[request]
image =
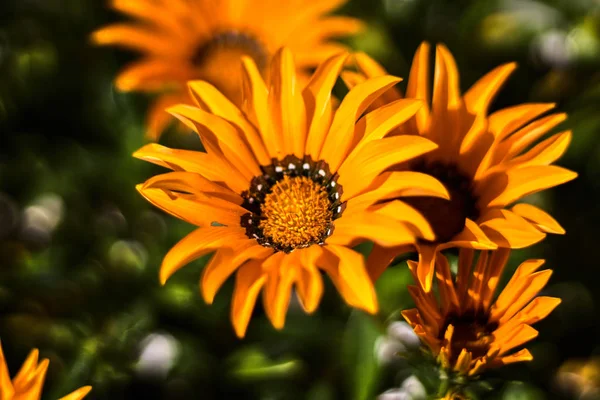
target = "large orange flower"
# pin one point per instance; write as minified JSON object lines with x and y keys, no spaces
{"x":184,"y":40}
{"x":29,"y":382}
{"x":465,"y":329}
{"x":487,"y":163}
{"x":288,"y":186}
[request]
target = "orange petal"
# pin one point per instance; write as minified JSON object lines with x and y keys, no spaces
{"x":209,"y":97}
{"x":225,"y":262}
{"x":150,"y":12}
{"x":379,"y":122}
{"x":347,"y":270}
{"x":539,"y":218}
{"x":286,"y":105}
{"x":504,"y":122}
{"x":509,"y":230}
{"x":355,"y":103}
{"x":521,"y":355}
{"x":497,"y":263}
{"x":152,"y":74}
{"x":198,"y":243}
{"x":197,"y":210}
{"x":517,"y":183}
{"x":392,"y":185}
{"x":32,"y":389}
{"x":6,"y":388}
{"x":249,"y":280}
{"x":78,"y":394}
{"x":317,"y":98}
{"x":447,"y":100}
{"x":546,"y":152}
{"x":448,"y":294}
{"x":376,"y":156}
{"x":521,"y":335}
{"x":310,"y":283}
{"x":137,"y":38}
{"x":277,"y":293}
{"x":471,"y":237}
{"x":369,"y":68}
{"x":373,"y":226}
{"x":480,"y":95}
{"x":220,"y":138}
{"x":418,"y":85}
{"x":185,"y":160}
{"x":538,"y":309}
{"x":526,"y":136}
{"x":400,"y":211}
{"x":255,"y":106}
{"x":191,"y":183}
{"x":520,"y":282}
{"x":426,"y":267}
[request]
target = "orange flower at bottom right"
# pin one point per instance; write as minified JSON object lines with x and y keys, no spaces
{"x":464,"y":328}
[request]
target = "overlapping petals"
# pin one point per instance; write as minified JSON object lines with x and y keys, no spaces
{"x":204,"y":39}
{"x":28,"y":383}
{"x":500,"y":155}
{"x":466,"y":329}
{"x":275,"y":121}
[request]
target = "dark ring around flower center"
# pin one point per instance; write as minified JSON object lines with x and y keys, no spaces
{"x":293,"y":167}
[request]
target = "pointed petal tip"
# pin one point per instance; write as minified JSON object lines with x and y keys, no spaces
{"x":207,"y":296}
{"x":163,"y":275}
{"x":240,"y":329}
{"x":139,"y":187}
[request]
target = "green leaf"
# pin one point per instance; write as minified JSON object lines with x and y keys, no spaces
{"x":391,"y":289}
{"x":252,"y":364}
{"x":362,"y":370}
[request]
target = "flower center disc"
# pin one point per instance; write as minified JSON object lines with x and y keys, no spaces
{"x":447,"y":217}
{"x":471,"y":332}
{"x":218,"y":60}
{"x":296,"y":213}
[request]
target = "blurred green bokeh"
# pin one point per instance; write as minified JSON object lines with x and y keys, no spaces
{"x":80,"y":249}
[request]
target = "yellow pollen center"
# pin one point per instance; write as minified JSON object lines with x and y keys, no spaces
{"x":296,"y":213}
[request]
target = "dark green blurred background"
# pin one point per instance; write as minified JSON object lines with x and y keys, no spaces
{"x":80,"y":249}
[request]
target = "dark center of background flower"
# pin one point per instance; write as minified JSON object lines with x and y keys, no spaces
{"x":292,"y":205}
{"x":472,"y":332}
{"x":234,"y":42}
{"x":447,"y":217}
{"x":218,"y":61}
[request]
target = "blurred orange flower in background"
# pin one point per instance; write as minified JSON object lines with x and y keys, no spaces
{"x":204,"y":39}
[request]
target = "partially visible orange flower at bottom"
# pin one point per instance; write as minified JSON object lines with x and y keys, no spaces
{"x":29,"y":381}
{"x":463,"y":327}
{"x":453,"y":395}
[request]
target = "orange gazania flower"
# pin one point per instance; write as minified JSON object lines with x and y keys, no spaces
{"x":465,"y":329}
{"x":184,"y":40}
{"x":486,"y":162}
{"x":285,"y":188}
{"x":29,"y":382}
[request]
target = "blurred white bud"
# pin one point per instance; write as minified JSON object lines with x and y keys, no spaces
{"x":402,"y":332}
{"x":45,"y":213}
{"x":413,"y":386}
{"x":158,"y":355}
{"x":128,"y":253}
{"x":554,"y":48}
{"x":387,"y":350}
{"x":41,"y":218}
{"x":394,"y":394}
